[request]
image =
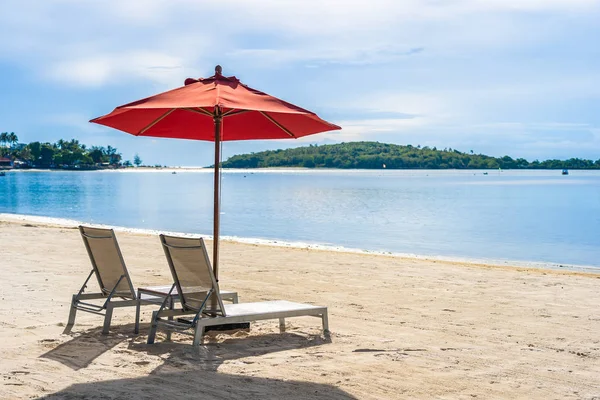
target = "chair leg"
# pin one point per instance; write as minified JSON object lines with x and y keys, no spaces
{"x":107,"y":318}
{"x":325,"y":323}
{"x":170,"y":318}
{"x":198,"y":335}
{"x":136,"y":330}
{"x":73,"y":312}
{"x":281,"y":325}
{"x":235,"y":298}
{"x":153,"y":327}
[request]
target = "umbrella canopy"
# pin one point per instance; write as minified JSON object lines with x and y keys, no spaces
{"x":215,"y":109}
{"x":188,"y":112}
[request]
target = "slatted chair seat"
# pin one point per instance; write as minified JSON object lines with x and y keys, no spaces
{"x":116,"y":289}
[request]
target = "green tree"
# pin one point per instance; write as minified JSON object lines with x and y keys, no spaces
{"x":137,"y":160}
{"x":97,"y":154}
{"x":26,"y":154}
{"x":3,"y":143}
{"x":374,"y":155}
{"x":47,"y":155}
{"x":36,"y":150}
{"x":12,"y":139}
{"x":114,"y":158}
{"x":308,"y":163}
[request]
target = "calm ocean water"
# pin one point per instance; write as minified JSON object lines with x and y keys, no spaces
{"x":537,"y":216}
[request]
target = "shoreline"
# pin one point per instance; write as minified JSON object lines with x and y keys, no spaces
{"x":295,"y":169}
{"x":471,"y":262}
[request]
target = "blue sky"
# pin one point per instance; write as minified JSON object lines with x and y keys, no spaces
{"x":517,"y":77}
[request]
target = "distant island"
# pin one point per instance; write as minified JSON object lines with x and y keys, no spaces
{"x":64,"y":154}
{"x":375,"y":155}
{"x":72,"y":155}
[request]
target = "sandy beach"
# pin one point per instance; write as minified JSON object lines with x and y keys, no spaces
{"x":401,"y":328}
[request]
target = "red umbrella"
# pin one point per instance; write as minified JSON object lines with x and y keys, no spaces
{"x":215,"y":109}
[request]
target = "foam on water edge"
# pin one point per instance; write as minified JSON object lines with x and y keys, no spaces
{"x":63,"y":222}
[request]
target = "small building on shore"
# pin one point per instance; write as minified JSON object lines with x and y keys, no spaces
{"x":5,"y":163}
{"x":20,"y":164}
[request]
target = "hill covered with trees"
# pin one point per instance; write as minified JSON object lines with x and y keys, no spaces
{"x":375,"y":155}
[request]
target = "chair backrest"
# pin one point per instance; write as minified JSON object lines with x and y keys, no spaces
{"x":107,"y":261}
{"x":193,"y":274}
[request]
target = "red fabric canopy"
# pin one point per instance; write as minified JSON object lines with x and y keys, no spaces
{"x":188,"y":113}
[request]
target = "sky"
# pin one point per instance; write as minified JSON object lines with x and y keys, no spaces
{"x":516,"y":77}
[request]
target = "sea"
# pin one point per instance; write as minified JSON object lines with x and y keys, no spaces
{"x":516,"y":217}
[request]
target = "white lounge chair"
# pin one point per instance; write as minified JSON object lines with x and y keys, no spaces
{"x":200,"y":299}
{"x":116,"y":289}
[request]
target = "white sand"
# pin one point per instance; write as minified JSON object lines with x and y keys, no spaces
{"x":402,"y":328}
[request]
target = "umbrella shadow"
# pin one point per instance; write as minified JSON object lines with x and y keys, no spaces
{"x":190,"y":372}
{"x":210,"y":356}
{"x":200,"y":385}
{"x":86,"y":346}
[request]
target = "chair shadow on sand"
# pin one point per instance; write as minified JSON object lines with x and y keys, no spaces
{"x":189,"y":372}
{"x":88,"y":345}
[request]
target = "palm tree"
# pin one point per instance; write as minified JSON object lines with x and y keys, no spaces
{"x":3,"y":141}
{"x":72,"y":145}
{"x":113,"y":156}
{"x":12,"y":139}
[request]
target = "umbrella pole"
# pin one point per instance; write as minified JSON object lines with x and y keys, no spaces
{"x":217,"y":120}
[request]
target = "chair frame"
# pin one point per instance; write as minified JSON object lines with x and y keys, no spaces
{"x":178,"y":325}
{"x":109,"y":304}
{"x":202,"y":319}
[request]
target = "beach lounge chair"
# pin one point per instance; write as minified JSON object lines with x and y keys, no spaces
{"x":201,"y":301}
{"x":116,"y":289}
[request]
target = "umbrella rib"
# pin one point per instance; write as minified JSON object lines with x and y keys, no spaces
{"x":233,"y":112}
{"x":199,"y":110}
{"x":156,"y":121}
{"x":277,"y":124}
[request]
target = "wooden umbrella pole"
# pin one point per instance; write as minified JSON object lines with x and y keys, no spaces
{"x":217,"y":120}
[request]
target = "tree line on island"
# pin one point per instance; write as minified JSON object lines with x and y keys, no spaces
{"x":360,"y":155}
{"x":63,"y":154}
{"x":375,"y":155}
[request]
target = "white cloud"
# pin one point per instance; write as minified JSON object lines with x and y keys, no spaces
{"x":554,"y":126}
{"x":444,"y":71}
{"x":534,"y":5}
{"x":79,"y":121}
{"x":113,"y":68}
{"x":327,"y":53}
{"x":301,"y":31}
{"x":410,"y":104}
{"x":368,"y":129}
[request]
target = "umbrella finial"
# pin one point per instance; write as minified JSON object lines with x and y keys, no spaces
{"x":218,"y":70}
